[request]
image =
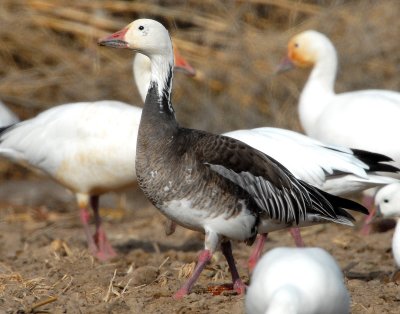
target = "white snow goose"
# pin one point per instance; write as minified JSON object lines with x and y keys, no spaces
{"x":342,"y":119}
{"x":87,"y":147}
{"x":212,"y":183}
{"x":387,"y":201}
{"x":297,"y":280}
{"x":365,"y":119}
{"x":7,"y":117}
{"x":335,"y":169}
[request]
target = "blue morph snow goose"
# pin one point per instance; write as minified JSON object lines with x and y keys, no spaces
{"x":87,"y":147}
{"x":212,"y":183}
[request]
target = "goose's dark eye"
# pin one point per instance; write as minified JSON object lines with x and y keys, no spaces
{"x":296,"y":45}
{"x":141,"y":27}
{"x":386,"y":200}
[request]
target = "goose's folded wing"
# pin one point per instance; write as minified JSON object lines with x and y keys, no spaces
{"x":274,"y":189}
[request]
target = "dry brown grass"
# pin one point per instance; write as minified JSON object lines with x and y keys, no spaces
{"x":49,"y":55}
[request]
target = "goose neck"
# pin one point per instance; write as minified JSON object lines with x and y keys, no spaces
{"x":158,"y":113}
{"x":319,"y":90}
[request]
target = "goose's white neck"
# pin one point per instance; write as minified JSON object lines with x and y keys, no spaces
{"x":162,"y":73}
{"x":396,"y":243}
{"x":142,"y":74}
{"x":157,"y":106}
{"x":319,"y":89}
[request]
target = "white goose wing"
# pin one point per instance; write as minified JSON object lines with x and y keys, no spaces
{"x":335,"y":169}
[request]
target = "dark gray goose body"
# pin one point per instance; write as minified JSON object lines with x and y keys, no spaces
{"x":211,"y":183}
{"x":200,"y":180}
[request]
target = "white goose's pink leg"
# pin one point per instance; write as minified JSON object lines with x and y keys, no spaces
{"x":260,"y":242}
{"x":85,"y":216}
{"x":295,"y":232}
{"x":104,"y":248}
{"x":368,"y":202}
{"x":255,"y":255}
{"x":366,"y":228}
{"x":238,"y":284}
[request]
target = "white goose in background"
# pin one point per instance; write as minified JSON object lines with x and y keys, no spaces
{"x":7,"y":117}
{"x":88,"y":147}
{"x":366,"y":119}
{"x":297,"y":281}
{"x":211,"y":183}
{"x":334,"y":169}
{"x":387,"y":201}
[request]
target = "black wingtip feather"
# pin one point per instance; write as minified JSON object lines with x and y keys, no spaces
{"x":374,"y":160}
{"x":365,"y":155}
{"x":3,"y":129}
{"x":338,"y":201}
{"x":384,"y":168}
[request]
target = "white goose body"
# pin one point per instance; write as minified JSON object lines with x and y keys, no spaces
{"x":87,"y":147}
{"x":334,"y":169}
{"x":7,"y":117}
{"x":387,"y":201}
{"x":297,"y":281}
{"x":366,"y":119}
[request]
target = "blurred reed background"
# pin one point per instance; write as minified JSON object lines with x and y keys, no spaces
{"x":49,"y":55}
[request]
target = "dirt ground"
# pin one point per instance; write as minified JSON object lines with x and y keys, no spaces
{"x":45,"y":267}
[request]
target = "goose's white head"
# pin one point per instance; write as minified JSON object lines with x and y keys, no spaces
{"x":152,"y":39}
{"x":387,"y":200}
{"x":145,"y":36}
{"x":306,"y":49}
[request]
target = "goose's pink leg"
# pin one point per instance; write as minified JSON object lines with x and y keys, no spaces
{"x":238,"y":284}
{"x":366,"y":228}
{"x":368,"y":202}
{"x":85,"y":216}
{"x":260,"y":242}
{"x":295,"y":232}
{"x":204,"y":258}
{"x":255,"y":255}
{"x":104,"y":248}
